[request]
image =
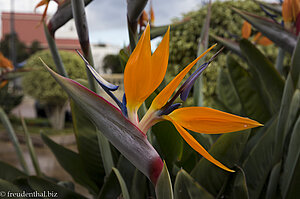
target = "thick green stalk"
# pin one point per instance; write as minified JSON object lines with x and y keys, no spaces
{"x":14,"y":139}
{"x":134,"y":11}
{"x":203,"y":44}
{"x":79,"y":15}
{"x":133,"y":35}
{"x":55,"y":55}
{"x":31,"y":149}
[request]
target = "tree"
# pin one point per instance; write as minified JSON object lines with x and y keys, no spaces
{"x":39,"y":84}
{"x":224,"y":23}
{"x":112,"y":64}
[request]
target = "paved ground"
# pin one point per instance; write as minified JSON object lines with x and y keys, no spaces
{"x":46,"y":159}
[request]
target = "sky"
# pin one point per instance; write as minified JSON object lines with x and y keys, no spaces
{"x":107,"y":18}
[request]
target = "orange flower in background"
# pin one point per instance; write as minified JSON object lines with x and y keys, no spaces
{"x":290,"y":10}
{"x":258,"y":38}
{"x":5,"y":63}
{"x":46,"y":2}
{"x":291,"y":15}
{"x":5,"y":66}
{"x":152,"y":17}
{"x":246,"y":30}
{"x":143,"y":20}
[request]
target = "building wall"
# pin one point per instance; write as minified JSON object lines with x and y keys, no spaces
{"x":29,"y":29}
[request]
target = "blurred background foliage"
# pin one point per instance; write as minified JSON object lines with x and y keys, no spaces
{"x":42,"y":87}
{"x":39,"y":83}
{"x":224,"y":23}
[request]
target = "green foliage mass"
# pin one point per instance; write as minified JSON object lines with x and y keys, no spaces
{"x":111,"y":63}
{"x":39,"y":84}
{"x":224,"y":23}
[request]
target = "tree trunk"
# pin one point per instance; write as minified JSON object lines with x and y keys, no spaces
{"x":56,"y":115}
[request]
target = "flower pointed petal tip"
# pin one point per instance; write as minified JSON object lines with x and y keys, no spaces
{"x":161,"y":99}
{"x":185,"y":89}
{"x":195,"y":145}
{"x":211,"y":121}
{"x":103,"y":83}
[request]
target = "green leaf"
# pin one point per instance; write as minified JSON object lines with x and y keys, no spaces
{"x":238,"y":189}
{"x":122,"y":184}
{"x":277,"y":8}
{"x":138,"y":187}
{"x":295,"y":65}
{"x":260,"y":161}
{"x":44,"y":186}
{"x":106,"y":154}
{"x":169,"y":141}
{"x":8,"y":190}
{"x":72,"y":163}
{"x":87,"y":145}
{"x":9,"y":173}
{"x":31,"y":150}
{"x":275,"y":32}
{"x":269,"y":80}
{"x":293,"y":113}
{"x":127,"y":170}
{"x":111,"y":188}
{"x":229,"y":44}
{"x":287,"y":96}
{"x":14,"y":139}
{"x":186,"y":187}
{"x":291,"y":171}
{"x":272,"y":189}
{"x":226,"y":92}
{"x":158,"y":31}
{"x":227,"y":149}
{"x":252,"y":104}
{"x":255,"y":137}
{"x":163,"y":187}
{"x":125,"y":136}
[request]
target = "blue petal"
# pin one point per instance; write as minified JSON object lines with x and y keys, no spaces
{"x":124,"y":108}
{"x":187,"y":85}
{"x":98,"y":78}
{"x":170,"y":109}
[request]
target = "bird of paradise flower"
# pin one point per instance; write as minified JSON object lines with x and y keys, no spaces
{"x":143,"y":74}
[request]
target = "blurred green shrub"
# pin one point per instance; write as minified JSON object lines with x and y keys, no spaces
{"x":112,"y":64}
{"x":43,"y":88}
{"x":9,"y":99}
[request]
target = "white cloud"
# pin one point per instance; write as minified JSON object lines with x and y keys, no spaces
{"x":108,"y":17}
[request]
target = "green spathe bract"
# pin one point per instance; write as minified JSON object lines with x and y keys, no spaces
{"x":125,"y":136}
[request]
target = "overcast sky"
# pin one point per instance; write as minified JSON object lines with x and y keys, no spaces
{"x":107,"y":18}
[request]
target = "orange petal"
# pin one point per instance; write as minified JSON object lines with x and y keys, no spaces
{"x":3,"y":83}
{"x":257,"y":37}
{"x":295,"y":9}
{"x":5,"y":63}
{"x":264,"y":41}
{"x":41,"y":3}
{"x":137,"y":73}
{"x":246,"y":30}
{"x":161,"y":99}
{"x":195,"y":145}
{"x":210,"y":121}
{"x":287,"y":11}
